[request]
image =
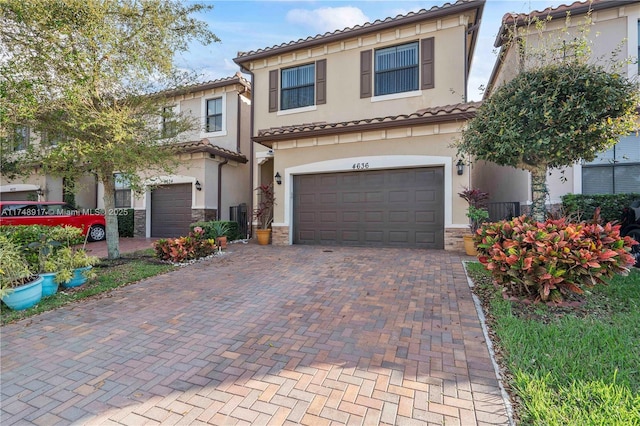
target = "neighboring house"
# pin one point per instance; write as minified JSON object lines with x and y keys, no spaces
{"x":615,"y":27}
{"x":213,"y":175}
{"x":358,"y":126}
{"x":41,"y":186}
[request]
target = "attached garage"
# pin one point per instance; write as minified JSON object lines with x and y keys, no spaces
{"x":385,"y":208}
{"x":171,"y":210}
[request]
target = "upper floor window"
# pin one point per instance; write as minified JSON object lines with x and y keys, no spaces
{"x":298,"y":87}
{"x":615,"y":171}
{"x":168,"y":124}
{"x":213,"y":121}
{"x":396,"y":69}
{"x":20,"y":138}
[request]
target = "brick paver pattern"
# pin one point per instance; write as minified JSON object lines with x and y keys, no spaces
{"x":262,"y":335}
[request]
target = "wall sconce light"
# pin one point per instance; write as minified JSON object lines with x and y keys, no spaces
{"x":278,"y":178}
{"x":39,"y":192}
{"x":198,"y":185}
{"x":460,"y":167}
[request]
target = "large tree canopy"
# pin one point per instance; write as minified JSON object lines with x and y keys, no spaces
{"x":551,"y":116}
{"x":82,"y":73}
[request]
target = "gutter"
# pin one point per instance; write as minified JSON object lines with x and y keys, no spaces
{"x":252,"y":154}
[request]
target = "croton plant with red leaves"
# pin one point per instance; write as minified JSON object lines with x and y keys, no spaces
{"x":546,"y":261}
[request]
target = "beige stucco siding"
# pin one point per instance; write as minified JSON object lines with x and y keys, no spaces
{"x":419,"y":146}
{"x":343,"y":77}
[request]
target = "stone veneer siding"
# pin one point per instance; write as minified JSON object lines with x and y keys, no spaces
{"x":140,"y":223}
{"x":203,"y":215}
{"x":280,"y":235}
{"x":453,"y":239}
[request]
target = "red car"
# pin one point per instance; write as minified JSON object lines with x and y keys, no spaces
{"x":52,"y":213}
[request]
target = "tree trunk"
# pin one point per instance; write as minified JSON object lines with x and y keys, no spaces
{"x":111,"y":218}
{"x":539,"y":193}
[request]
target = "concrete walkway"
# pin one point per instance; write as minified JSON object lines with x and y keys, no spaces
{"x":265,"y":336}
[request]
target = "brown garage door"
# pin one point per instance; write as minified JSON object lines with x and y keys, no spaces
{"x":19,"y":196}
{"x":171,"y":210}
{"x":390,"y":208}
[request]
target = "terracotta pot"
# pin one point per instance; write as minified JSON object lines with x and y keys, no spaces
{"x":264,"y":235}
{"x":469,"y":245}
{"x":222,"y":242}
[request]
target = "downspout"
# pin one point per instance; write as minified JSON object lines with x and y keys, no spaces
{"x":252,"y":155}
{"x":219,"y":213}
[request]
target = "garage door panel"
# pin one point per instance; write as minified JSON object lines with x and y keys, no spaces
{"x":328,"y":198}
{"x":405,"y":208}
{"x":308,"y":198}
{"x":171,"y":210}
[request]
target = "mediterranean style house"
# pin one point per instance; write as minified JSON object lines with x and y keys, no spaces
{"x":613,"y":34}
{"x":355,"y":128}
{"x":213,"y":175}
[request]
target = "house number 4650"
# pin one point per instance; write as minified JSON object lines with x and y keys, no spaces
{"x":360,"y":166}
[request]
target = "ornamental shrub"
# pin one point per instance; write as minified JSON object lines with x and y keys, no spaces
{"x":182,"y":249}
{"x":548,"y":260}
{"x":233,"y":232}
{"x":585,"y":205}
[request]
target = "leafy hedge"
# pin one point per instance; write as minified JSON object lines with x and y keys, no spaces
{"x":125,"y":223}
{"x":23,"y":235}
{"x":549,"y":260}
{"x":232,"y":235}
{"x":584,"y":206}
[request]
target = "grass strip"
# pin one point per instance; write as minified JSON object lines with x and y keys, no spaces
{"x":576,"y":365}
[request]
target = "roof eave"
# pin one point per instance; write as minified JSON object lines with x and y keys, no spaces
{"x":334,"y":37}
{"x":415,"y":121}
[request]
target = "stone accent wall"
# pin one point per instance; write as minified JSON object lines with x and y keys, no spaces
{"x":203,"y":215}
{"x":453,"y":239}
{"x":139,"y":223}
{"x":280,"y":235}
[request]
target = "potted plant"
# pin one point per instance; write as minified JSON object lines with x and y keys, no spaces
{"x":477,"y":214}
{"x":264,"y":212}
{"x":77,"y":261}
{"x":20,"y":288}
{"x":220,"y":230}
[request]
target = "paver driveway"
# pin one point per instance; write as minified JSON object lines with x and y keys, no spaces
{"x":263,"y":335}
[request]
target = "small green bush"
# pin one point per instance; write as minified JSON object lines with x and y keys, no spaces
{"x":23,"y":235}
{"x":125,"y":223}
{"x":232,"y":234}
{"x":548,"y":260}
{"x":584,"y":206}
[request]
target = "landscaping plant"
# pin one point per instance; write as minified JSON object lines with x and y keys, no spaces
{"x":548,"y":260}
{"x":181,"y":249}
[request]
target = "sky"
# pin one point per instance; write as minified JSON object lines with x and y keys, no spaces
{"x":250,"y":25}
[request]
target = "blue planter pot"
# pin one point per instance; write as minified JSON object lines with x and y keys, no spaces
{"x":49,"y":284}
{"x":25,"y":296}
{"x":78,"y":278}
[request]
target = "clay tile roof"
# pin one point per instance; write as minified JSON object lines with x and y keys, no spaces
{"x":575,"y":8}
{"x":237,"y":78}
{"x":368,"y":27}
{"x":445,"y":113}
{"x":205,"y":145}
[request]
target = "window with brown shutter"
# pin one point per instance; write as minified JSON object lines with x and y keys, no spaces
{"x":321,"y":82}
{"x":366,"y":74}
{"x":428,"y":74}
{"x":273,"y":91}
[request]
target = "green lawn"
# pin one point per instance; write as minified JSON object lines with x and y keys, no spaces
{"x":575,"y":365}
{"x":110,"y":274}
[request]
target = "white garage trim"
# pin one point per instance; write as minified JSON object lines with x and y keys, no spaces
{"x":372,"y":162}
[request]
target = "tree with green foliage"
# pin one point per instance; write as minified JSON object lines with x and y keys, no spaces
{"x":88,"y":77}
{"x":552,"y":115}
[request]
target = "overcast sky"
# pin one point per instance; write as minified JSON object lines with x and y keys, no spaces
{"x":249,"y":25}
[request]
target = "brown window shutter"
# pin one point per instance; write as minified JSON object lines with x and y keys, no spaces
{"x":366,"y":73}
{"x":321,"y":82}
{"x":273,"y":91}
{"x":427,"y":51}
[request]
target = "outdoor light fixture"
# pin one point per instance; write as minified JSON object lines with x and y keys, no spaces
{"x":198,"y":186}
{"x":460,"y":167}
{"x":278,"y":178}
{"x":39,"y":192}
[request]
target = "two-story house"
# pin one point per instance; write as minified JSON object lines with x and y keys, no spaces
{"x":212,"y":176}
{"x":356,"y":127}
{"x":614,"y":28}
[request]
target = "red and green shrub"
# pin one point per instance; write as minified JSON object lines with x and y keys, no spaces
{"x":548,"y":260}
{"x":182,"y":249}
